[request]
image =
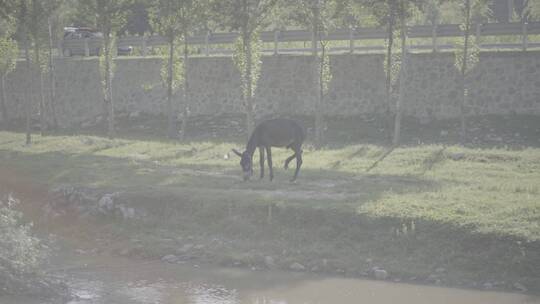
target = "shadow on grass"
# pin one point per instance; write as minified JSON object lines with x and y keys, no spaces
{"x":314,"y":222}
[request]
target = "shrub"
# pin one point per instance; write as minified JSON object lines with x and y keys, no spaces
{"x":21,"y":253}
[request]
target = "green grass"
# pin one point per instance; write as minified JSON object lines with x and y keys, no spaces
{"x":489,"y":191}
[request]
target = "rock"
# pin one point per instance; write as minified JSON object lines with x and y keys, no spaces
{"x":170,"y":258}
{"x":380,"y":274}
{"x":106,"y":203}
{"x":520,"y":287}
{"x":440,"y":270}
{"x":297,"y":267}
{"x":185,"y":248}
{"x":125,"y":212}
{"x":444,"y":133}
{"x":456,"y":156}
{"x":134,"y":114}
{"x":432,"y":278}
{"x":269,"y":262}
{"x":199,"y":247}
{"x":87,"y":141}
{"x":487,"y":285}
{"x":125,"y":252}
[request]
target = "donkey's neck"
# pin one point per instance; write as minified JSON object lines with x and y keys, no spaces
{"x":252,"y":143}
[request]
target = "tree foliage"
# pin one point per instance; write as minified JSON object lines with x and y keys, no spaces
{"x":9,"y":53}
{"x":20,"y":252}
{"x":241,"y":61}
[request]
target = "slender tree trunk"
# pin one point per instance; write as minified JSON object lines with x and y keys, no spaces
{"x":28,"y":95}
{"x":250,"y":121}
{"x":42,"y":123}
{"x":52,"y":77}
{"x":171,"y":129}
{"x":463,"y":127}
{"x":186,"y":89}
{"x":402,"y":72}
{"x":42,"y":118}
{"x":318,"y":65}
{"x":319,"y":121}
{"x":108,"y":90}
{"x":5,"y":116}
{"x":391,"y":21}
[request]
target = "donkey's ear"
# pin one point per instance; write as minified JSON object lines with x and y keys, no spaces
{"x":237,"y":153}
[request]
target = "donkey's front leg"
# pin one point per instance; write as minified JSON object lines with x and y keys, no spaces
{"x":261,"y":161}
{"x":269,"y":155}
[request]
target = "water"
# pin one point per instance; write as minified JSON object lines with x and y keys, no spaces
{"x":107,"y":280}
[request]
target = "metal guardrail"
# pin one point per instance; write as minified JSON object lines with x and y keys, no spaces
{"x":91,"y":46}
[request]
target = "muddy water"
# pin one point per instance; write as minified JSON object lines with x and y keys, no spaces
{"x":104,"y":280}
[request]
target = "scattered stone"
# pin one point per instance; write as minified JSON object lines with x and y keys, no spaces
{"x":199,"y":247}
{"x":106,"y":203}
{"x":87,"y":141}
{"x":186,"y":248}
{"x":134,"y":114}
{"x":80,"y":251}
{"x":297,"y":267}
{"x":432,"y":278}
{"x":456,"y":156}
{"x":520,"y":287}
{"x":380,"y":274}
{"x":487,"y":285}
{"x":170,"y":258}
{"x":269,"y":262}
{"x":440,"y":270}
{"x":125,"y":252}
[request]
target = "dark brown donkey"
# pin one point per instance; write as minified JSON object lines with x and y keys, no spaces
{"x":278,"y":132}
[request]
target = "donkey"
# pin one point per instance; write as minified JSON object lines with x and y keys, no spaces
{"x":279,"y":132}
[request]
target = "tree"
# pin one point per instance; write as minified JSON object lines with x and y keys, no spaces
{"x":321,"y":16}
{"x":109,"y":16}
{"x":8,"y":60}
{"x":176,"y":20}
{"x":38,"y":15}
{"x":467,"y":53}
{"x":532,"y":8}
{"x":22,"y":18}
{"x":247,"y":16}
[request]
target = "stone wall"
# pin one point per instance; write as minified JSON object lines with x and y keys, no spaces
{"x":506,"y":82}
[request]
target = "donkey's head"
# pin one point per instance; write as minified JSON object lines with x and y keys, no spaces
{"x":246,"y":163}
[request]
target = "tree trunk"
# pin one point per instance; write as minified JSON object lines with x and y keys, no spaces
{"x":250,"y":121}
{"x":52,"y":78}
{"x":391,"y":21}
{"x":318,"y":64}
{"x":463,"y":127}
{"x":186,"y":90}
{"x":37,"y":64}
{"x":402,"y":71}
{"x":171,"y":129}
{"x":5,"y":116}
{"x":28,"y":95}
{"x":42,"y":118}
{"x":108,"y":92}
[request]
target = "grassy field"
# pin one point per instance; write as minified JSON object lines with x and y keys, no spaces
{"x":473,"y":211}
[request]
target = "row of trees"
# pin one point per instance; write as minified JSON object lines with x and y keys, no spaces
{"x":34,"y":25}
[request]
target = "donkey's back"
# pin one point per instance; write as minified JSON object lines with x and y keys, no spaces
{"x":279,"y":132}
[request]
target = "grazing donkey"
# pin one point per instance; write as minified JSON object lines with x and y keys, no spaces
{"x":278,"y":132}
